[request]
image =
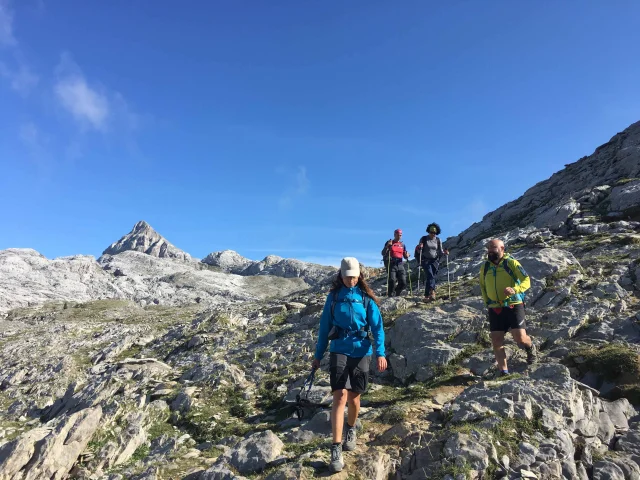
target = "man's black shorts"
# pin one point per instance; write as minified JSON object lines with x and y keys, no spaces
{"x":507,"y":319}
{"x":350,"y":373}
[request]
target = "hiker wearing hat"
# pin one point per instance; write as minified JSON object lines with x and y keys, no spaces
{"x":503,"y":282}
{"x":428,"y":252}
{"x":350,"y":313}
{"x":393,"y":254}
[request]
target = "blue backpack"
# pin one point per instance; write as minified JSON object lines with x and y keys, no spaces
{"x":338,"y":332}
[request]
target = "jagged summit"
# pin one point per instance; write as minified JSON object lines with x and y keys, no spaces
{"x":143,"y":238}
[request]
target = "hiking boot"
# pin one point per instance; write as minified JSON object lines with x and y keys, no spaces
{"x":432,"y":295}
{"x":350,"y":441}
{"x":336,"y":464}
{"x":532,"y":354}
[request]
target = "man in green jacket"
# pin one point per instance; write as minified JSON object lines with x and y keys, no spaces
{"x":503,"y":282}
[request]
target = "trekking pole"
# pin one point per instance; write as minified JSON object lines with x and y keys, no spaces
{"x":409,"y":267}
{"x":448,"y":280}
{"x":388,"y":272}
{"x":419,"y":265}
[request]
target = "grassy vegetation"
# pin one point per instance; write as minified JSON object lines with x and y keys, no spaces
{"x":280,"y":318}
{"x":389,"y":319}
{"x":624,"y":181}
{"x":450,"y":468}
{"x":141,"y":453}
{"x":131,"y":352}
{"x":393,"y":414}
{"x":298,"y":449}
{"x":610,"y":361}
{"x":217,"y":415}
{"x":159,"y":429}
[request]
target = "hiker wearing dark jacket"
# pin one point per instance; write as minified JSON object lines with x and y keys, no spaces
{"x":393,"y":254}
{"x":429,"y":251}
{"x":503,"y":282}
{"x":350,"y":313}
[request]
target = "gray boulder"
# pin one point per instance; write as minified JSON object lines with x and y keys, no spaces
{"x":254,"y":453}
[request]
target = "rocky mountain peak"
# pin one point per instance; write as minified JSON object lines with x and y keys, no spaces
{"x":143,"y":238}
{"x":228,"y":260}
{"x":581,"y":198}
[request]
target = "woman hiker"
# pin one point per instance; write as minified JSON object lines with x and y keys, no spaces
{"x":350,"y":313}
{"x":428,"y":252}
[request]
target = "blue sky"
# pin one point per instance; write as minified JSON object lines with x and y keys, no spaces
{"x":301,"y":128}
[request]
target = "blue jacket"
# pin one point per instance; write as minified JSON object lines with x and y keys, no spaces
{"x":350,"y":315}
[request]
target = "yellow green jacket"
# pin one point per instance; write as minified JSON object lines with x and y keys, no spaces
{"x":497,"y":279}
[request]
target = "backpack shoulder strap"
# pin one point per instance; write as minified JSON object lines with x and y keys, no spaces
{"x":507,"y":268}
{"x":487,"y":264}
{"x":334,"y":300}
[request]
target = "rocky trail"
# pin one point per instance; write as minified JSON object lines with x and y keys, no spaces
{"x":99,"y":381}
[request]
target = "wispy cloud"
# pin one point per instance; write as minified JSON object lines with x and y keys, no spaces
{"x":88,"y":105}
{"x":21,"y":79}
{"x":7,"y":39}
{"x":300,"y":186}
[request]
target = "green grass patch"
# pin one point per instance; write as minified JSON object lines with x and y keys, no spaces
{"x":389,"y":319}
{"x":450,"y":468}
{"x":298,"y":449}
{"x":627,"y":240}
{"x":280,"y":319}
{"x":131,"y":352}
{"x":385,"y":394}
{"x":393,"y":414}
{"x":624,"y":181}
{"x":610,"y":361}
{"x":141,"y":453}
{"x":159,"y":429}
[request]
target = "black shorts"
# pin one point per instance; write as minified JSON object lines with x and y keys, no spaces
{"x":350,"y":373}
{"x":507,"y":319}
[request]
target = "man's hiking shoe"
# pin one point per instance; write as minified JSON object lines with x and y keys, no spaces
{"x":350,"y":441}
{"x":432,"y":296}
{"x":532,"y":354}
{"x":336,"y":464}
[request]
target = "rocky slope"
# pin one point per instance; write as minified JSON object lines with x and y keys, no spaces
{"x":232,"y":262}
{"x":583,"y":197}
{"x":114,"y":389}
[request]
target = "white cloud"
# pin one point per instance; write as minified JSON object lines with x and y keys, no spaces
{"x":20,"y":77}
{"x":7,"y":39}
{"x":86,"y":104}
{"x":22,"y":80}
{"x":299,"y":187}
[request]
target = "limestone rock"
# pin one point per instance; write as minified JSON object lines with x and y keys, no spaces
{"x":255,"y":452}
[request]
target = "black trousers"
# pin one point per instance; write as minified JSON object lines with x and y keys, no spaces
{"x":397,"y":278}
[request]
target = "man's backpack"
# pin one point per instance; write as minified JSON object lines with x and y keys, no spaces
{"x":337,"y":332}
{"x":505,"y":265}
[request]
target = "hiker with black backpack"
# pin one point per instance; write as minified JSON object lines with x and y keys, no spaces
{"x":503,"y":282}
{"x":350,"y":313}
{"x":393,"y":254}
{"x":428,"y":252}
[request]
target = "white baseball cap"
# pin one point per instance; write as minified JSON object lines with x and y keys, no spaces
{"x":350,"y":267}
